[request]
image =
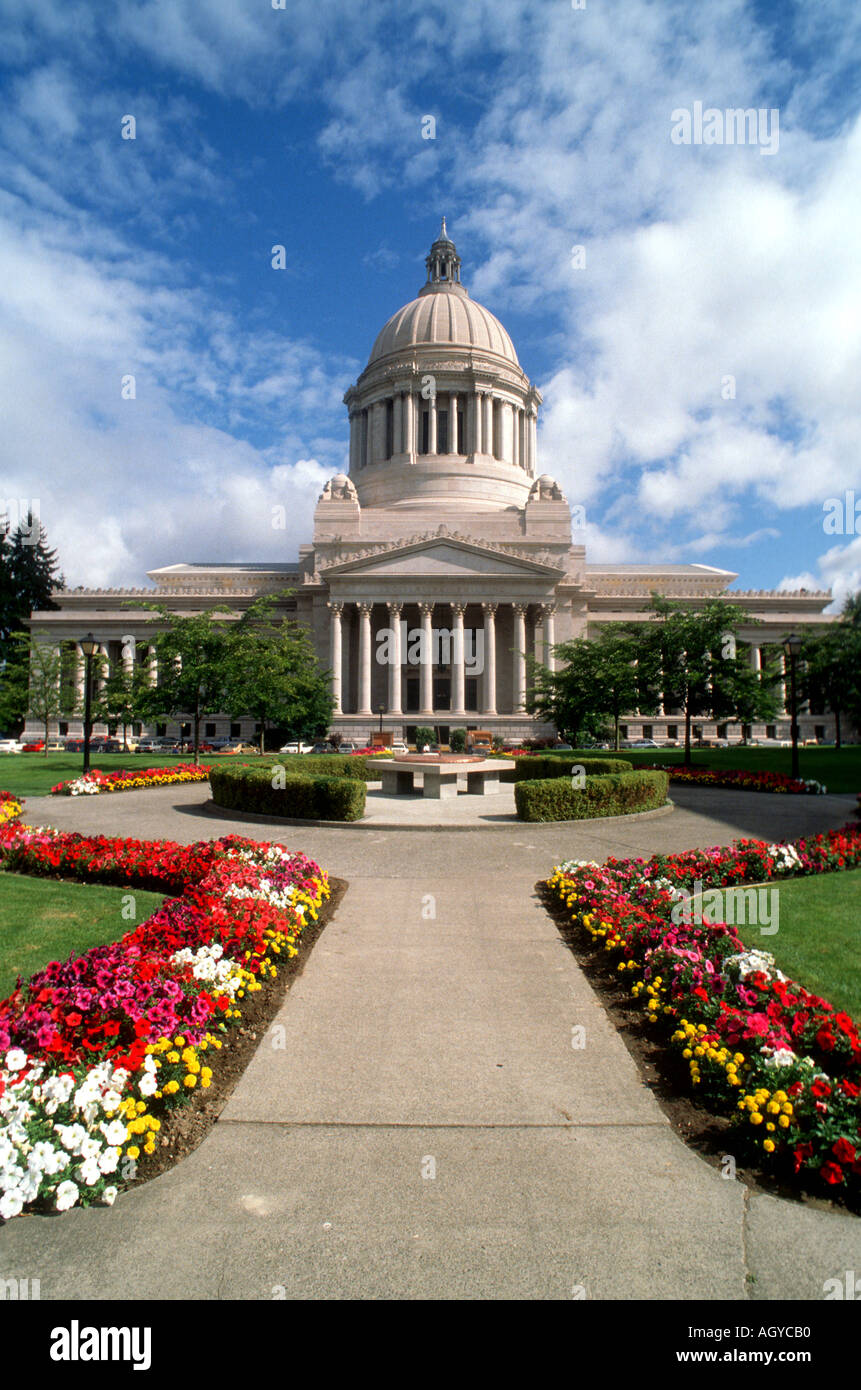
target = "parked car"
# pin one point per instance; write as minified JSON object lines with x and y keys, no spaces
{"x":320,"y":748}
{"x":640,"y":743}
{"x":147,"y":745}
{"x":238,"y":745}
{"x":398,"y":746}
{"x":33,"y":745}
{"x":349,"y":745}
{"x":296,"y":746}
{"x":11,"y":745}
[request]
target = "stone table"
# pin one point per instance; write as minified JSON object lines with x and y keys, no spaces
{"x":440,"y":778}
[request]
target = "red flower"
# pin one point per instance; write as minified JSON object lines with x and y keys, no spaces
{"x":820,"y":1089}
{"x":831,"y":1172}
{"x":849,"y":1088}
{"x":801,"y":1153}
{"x":843,"y":1151}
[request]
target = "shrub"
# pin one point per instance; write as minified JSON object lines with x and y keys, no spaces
{"x":615,"y":794}
{"x":457,"y":740}
{"x":321,"y":765}
{"x":560,"y":765}
{"x":424,"y":735}
{"x":306,"y":798}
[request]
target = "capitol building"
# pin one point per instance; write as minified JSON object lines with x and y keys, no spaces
{"x":441,"y":559}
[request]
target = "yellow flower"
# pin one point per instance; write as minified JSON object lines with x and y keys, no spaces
{"x":190,"y":1081}
{"x":768,"y":1145}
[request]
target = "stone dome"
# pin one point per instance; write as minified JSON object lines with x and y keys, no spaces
{"x":444,"y":318}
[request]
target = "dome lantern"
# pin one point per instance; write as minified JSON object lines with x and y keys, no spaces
{"x":443,"y":265}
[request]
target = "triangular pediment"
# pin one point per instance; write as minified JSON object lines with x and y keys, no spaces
{"x":443,"y":557}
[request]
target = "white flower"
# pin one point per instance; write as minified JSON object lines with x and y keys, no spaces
{"x":148,"y":1084}
{"x":780,"y":1057}
{"x":89,"y":1172}
{"x":115,"y":1132}
{"x":11,"y":1204}
{"x":109,"y":1161}
{"x":66,"y":1195}
{"x":16,"y":1060}
{"x":109,"y":1196}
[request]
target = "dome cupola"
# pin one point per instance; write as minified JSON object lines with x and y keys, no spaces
{"x":443,"y":413}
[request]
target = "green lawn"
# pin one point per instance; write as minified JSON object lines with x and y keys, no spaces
{"x":45,"y":919}
{"x":838,"y":768}
{"x":818,"y":936}
{"x":32,"y":774}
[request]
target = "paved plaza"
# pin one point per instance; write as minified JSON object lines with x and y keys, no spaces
{"x":426,"y":1130}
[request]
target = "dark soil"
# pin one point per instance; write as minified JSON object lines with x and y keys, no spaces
{"x":187,"y":1126}
{"x":665,"y":1072}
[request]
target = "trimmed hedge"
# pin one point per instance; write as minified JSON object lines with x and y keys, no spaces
{"x":560,"y":765}
{"x":304,"y":798}
{"x":323,"y":765}
{"x":617,"y":794}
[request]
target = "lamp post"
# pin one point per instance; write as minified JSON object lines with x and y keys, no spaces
{"x":792,"y":648}
{"x":89,"y":646}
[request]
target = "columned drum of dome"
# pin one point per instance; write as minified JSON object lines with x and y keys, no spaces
{"x":443,"y":412}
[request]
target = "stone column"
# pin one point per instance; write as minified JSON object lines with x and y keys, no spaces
{"x":335,"y":609}
{"x":533,"y":440}
{"x":104,"y":668}
{"x":478,"y":407}
{"x":432,"y":424}
{"x":489,"y":610}
{"x":487,"y":424}
{"x":754,"y":656}
{"x":539,"y":635}
{"x":426,"y":664}
{"x":152,"y":666}
{"x":458,"y":676}
{"x":398,"y":425}
{"x":354,"y":442}
{"x":515,"y":436}
{"x":369,"y":435}
{"x":396,"y":658}
{"x":365,"y":658}
{"x":469,"y":424}
{"x":519,"y":688}
{"x":550,"y":633}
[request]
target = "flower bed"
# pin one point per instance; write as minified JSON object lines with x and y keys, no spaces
{"x":92,"y":783}
{"x":781,"y":1062}
{"x":96,"y":1050}
{"x":10,"y":807}
{"x":746,"y":781}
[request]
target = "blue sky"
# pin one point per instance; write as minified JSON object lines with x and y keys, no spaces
{"x":303,"y":127}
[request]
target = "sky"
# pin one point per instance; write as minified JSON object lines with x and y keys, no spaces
{"x":699,"y":354}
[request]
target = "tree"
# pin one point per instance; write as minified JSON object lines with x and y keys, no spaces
{"x":29,"y":574}
{"x":595,"y":680}
{"x":28,"y":577}
{"x":272,"y":674}
{"x":33,"y":681}
{"x":124,"y":697}
{"x":694,"y":651}
{"x":831,"y":671}
{"x":192,"y":656}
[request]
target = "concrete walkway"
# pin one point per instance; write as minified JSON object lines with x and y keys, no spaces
{"x":418,"y":1125}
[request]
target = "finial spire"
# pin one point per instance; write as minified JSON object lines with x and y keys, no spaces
{"x":443,"y":233}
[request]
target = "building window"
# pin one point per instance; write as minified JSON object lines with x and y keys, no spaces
{"x":235,"y":730}
{"x":722,"y":730}
{"x":647,"y":731}
{"x":623,"y":731}
{"x":461,"y":434}
{"x":470,"y":692}
{"x":771,"y":731}
{"x":697,"y":731}
{"x":209,"y":731}
{"x":63,"y":727}
{"x":425,"y":432}
{"x":818,"y":731}
{"x":672,"y":731}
